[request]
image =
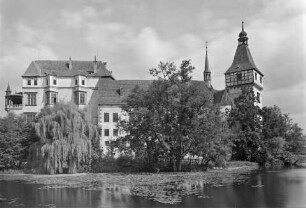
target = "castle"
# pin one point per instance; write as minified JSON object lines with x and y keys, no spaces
{"x":90,"y":84}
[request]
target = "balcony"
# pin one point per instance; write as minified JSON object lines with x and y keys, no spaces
{"x":13,"y":107}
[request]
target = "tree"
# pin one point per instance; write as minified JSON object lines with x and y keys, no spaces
{"x":165,"y":120}
{"x":275,"y":125}
{"x":65,"y":139}
{"x":16,"y":135}
{"x":245,"y":119}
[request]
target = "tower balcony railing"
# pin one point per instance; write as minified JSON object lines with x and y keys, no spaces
{"x":13,"y":107}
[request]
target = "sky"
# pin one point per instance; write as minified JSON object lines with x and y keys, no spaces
{"x":133,"y":36}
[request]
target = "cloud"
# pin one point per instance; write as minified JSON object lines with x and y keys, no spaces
{"x":18,"y":50}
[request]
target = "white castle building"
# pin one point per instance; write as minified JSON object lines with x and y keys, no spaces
{"x":90,"y":84}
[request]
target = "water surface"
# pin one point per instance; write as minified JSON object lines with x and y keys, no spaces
{"x":284,"y":188}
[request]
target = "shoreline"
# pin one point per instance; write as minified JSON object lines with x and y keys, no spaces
{"x":83,"y":179}
{"x":166,"y":188}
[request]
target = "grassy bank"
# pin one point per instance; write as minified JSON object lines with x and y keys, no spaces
{"x":162,"y":187}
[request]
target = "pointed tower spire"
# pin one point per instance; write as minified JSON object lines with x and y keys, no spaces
{"x":207,"y":69}
{"x":207,"y":72}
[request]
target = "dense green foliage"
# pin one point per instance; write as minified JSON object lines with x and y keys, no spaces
{"x":65,"y":139}
{"x":265,"y":135}
{"x":16,"y":135}
{"x":173,"y":119}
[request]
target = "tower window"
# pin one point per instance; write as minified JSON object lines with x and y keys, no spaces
{"x":29,"y":82}
{"x":83,"y":82}
{"x":239,"y":77}
{"x":255,"y":76}
{"x":35,"y":81}
{"x":47,"y":82}
{"x":106,"y":117}
{"x":54,"y":81}
{"x":76,"y":82}
{"x":261,"y":79}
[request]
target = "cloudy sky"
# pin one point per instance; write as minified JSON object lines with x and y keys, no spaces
{"x":134,"y":35}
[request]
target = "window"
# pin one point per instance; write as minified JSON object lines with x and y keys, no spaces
{"x":258,"y":97}
{"x":54,"y":81}
{"x":261,"y":79}
{"x":106,"y":132}
{"x":76,"y":82}
{"x":47,"y":81}
{"x":29,"y":82}
{"x":82,"y":98}
{"x":255,"y":76}
{"x":35,"y":81}
{"x":31,"y":98}
{"x":51,"y":98}
{"x":115,"y":132}
{"x":239,"y":77}
{"x":106,"y":117}
{"x":83,"y":82}
{"x":115,"y":117}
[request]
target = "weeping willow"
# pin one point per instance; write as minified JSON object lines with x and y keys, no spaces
{"x":65,"y":139}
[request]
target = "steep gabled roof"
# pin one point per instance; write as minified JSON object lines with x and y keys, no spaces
{"x":222,"y":98}
{"x":109,"y":90}
{"x":114,"y":92}
{"x":61,"y":68}
{"x":243,"y":60}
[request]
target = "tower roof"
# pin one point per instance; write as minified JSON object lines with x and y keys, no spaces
{"x":207,"y":69}
{"x":243,"y":59}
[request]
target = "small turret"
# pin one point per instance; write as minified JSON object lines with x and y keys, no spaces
{"x":8,"y":90}
{"x":207,"y":72}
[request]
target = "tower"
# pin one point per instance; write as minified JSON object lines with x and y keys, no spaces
{"x":207,"y":72}
{"x":243,"y":72}
{"x":8,"y":92}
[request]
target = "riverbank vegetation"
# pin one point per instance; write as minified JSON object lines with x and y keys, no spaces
{"x":173,"y":126}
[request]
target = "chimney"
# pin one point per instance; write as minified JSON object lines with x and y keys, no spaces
{"x":95,"y":64}
{"x":120,"y":91}
{"x":70,"y":63}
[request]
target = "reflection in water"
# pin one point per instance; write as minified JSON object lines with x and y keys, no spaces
{"x":286,"y":188}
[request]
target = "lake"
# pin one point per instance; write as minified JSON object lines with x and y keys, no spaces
{"x":283,"y":188}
